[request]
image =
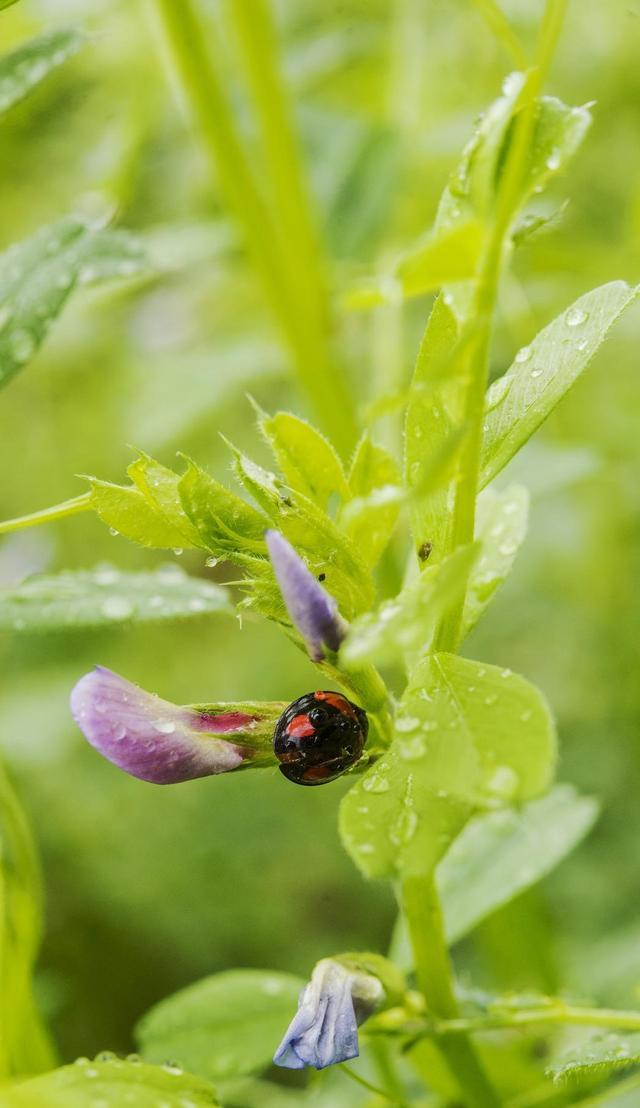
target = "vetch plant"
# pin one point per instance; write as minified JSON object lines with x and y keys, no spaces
{"x":450,"y":760}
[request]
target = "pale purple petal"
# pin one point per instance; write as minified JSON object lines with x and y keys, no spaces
{"x":312,"y":610}
{"x":324,"y":1030}
{"x":151,"y":738}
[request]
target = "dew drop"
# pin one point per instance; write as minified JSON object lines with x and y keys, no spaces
{"x":112,"y":531}
{"x":407,"y":723}
{"x":490,"y":699}
{"x":503,"y":782}
{"x":118,"y":731}
{"x":403,"y":828}
{"x":506,"y":673}
{"x":536,"y":372}
{"x":553,"y":161}
{"x":164,"y":726}
{"x":413,"y":749}
{"x":117,"y":607}
{"x":582,"y":345}
{"x":173,"y":1067}
{"x":526,"y":716}
{"x":524,"y":354}
{"x":105,"y":575}
{"x":22,"y":345}
{"x":177,"y":550}
{"x":497,"y":392}
{"x":211,"y":562}
{"x":575,"y":317}
{"x":376,"y":783}
{"x":106,"y":1056}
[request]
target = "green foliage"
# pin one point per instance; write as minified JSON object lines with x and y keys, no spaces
{"x":105,"y":595}
{"x":24,"y":1042}
{"x":600,"y":1055}
{"x":225,"y":1026}
{"x":38,"y":275}
{"x":544,"y":371}
{"x":370,"y":517}
{"x":500,"y":854}
{"x":468,"y":736}
{"x":26,"y":67}
{"x":405,"y":625}
{"x":501,"y":525}
{"x":307,"y":460}
{"x":111,"y":1082}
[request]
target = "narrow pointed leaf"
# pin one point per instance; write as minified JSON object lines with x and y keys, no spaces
{"x":37,"y":277}
{"x":26,"y":67}
{"x":543,"y":372}
{"x":307,"y":460}
{"x":501,"y":526}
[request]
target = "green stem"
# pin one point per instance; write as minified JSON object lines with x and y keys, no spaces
{"x":48,"y":515}
{"x":477,"y":369}
{"x":296,"y":296}
{"x":563,"y":1013}
{"x":435,"y":980}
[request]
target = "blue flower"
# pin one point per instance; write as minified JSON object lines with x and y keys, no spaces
{"x":312,"y":610}
{"x":158,"y":741}
{"x":324,"y":1030}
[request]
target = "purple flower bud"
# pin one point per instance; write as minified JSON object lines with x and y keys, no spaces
{"x":324,"y":1030}
{"x":312,"y":610}
{"x":153,"y":739}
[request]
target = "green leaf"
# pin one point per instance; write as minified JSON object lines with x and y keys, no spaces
{"x":500,"y":854}
{"x":501,"y":525}
{"x":469,"y":736}
{"x":544,"y":371}
{"x":307,"y":460}
{"x":6,"y":4}
{"x":599,"y":1056}
{"x":111,"y":1083}
{"x":160,"y":488}
{"x":434,"y":412}
{"x":224,"y":521}
{"x":26,"y":67}
{"x":313,"y":534}
{"x":448,"y":255}
{"x":224,"y":1026}
{"x":126,"y":511}
{"x":36,"y":278}
{"x":374,"y":481}
{"x":93,"y":598}
{"x":406,"y":623}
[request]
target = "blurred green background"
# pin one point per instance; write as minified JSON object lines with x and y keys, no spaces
{"x":150,"y":888}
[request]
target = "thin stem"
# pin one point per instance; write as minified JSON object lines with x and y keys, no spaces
{"x":371,"y":1087}
{"x":435,"y":980}
{"x":563,"y":1013}
{"x":48,"y":515}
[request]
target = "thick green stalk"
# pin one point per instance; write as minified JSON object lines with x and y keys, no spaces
{"x":552,"y":1013}
{"x":289,"y":272}
{"x":435,"y":980}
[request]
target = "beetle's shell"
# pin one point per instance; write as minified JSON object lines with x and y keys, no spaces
{"x":318,"y":737}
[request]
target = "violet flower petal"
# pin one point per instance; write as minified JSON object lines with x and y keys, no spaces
{"x":312,"y":610}
{"x":324,"y":1030}
{"x":151,"y":738}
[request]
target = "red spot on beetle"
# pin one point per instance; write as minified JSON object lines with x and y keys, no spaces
{"x":300,"y":727}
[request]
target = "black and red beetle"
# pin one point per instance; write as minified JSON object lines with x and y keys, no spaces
{"x":318,"y":737}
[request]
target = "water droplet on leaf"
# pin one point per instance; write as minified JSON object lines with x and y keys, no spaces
{"x":575,"y":317}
